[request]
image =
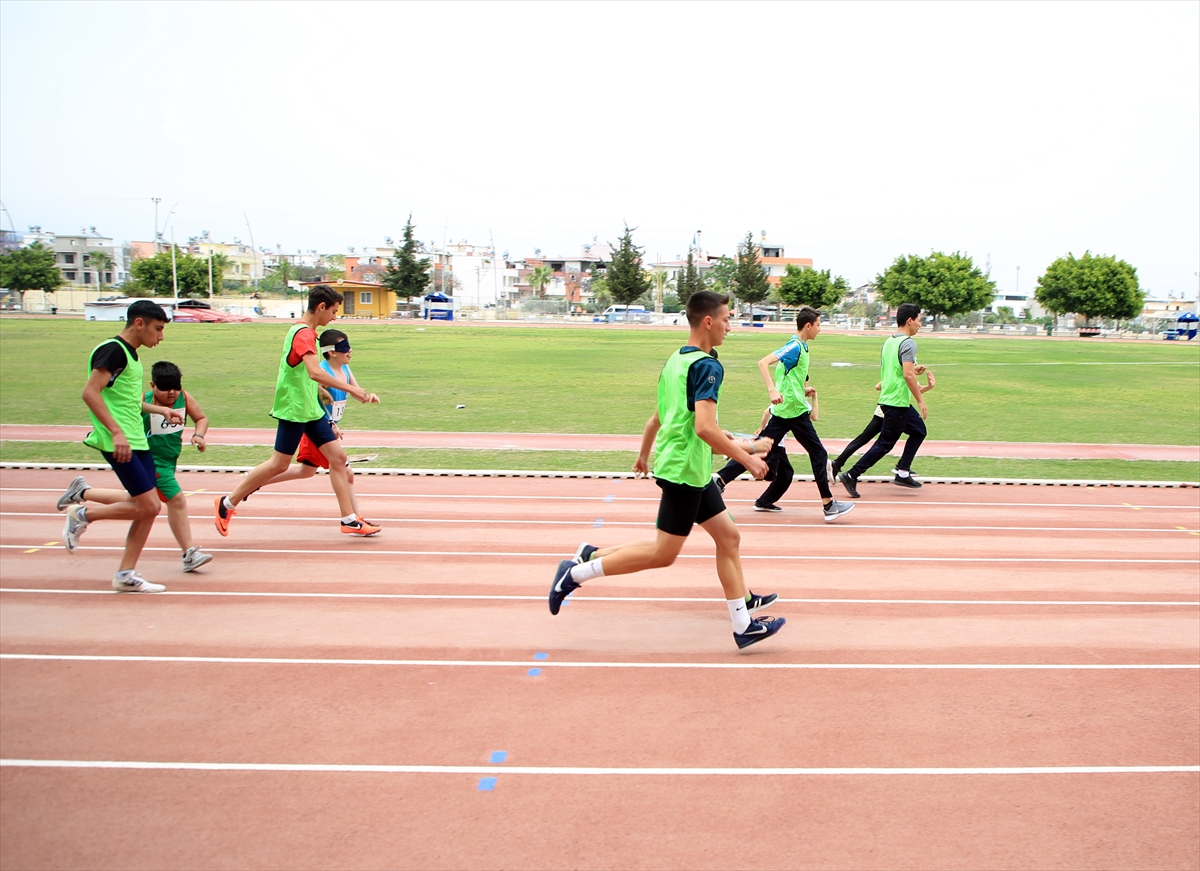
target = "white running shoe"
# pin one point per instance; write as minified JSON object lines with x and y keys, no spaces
{"x":132,"y":582}
{"x":74,"y":527}
{"x":193,"y":558}
{"x":74,"y":494}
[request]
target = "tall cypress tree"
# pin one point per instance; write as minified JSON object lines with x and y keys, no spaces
{"x":749,"y":280}
{"x":626,"y":279}
{"x":406,"y":274}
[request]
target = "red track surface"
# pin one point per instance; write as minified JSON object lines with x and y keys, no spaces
{"x":581,"y":442}
{"x":933,"y":638}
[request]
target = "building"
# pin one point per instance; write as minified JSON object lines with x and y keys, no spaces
{"x":88,"y":260}
{"x":363,"y":299}
{"x":243,"y":263}
{"x":1167,"y":308}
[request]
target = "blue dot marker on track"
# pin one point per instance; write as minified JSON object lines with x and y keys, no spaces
{"x":498,"y":756}
{"x":534,"y":672}
{"x":540,"y":655}
{"x":599,"y":522}
{"x":609,"y":498}
{"x":487,"y":784}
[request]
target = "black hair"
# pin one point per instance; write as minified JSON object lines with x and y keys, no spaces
{"x":806,"y":315}
{"x":323,"y":293}
{"x":147,"y":311}
{"x":329,"y":338}
{"x":703,"y":303}
{"x":166,"y":376}
{"x":906,"y":312}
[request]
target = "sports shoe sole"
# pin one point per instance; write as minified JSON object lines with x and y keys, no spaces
{"x":829,"y":518}
{"x":770,"y":509}
{"x":71,"y":497}
{"x":562,"y":585}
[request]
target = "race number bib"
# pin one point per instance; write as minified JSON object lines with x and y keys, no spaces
{"x":160,"y":426}
{"x":336,"y":410}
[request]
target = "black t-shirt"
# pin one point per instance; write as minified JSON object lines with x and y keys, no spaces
{"x":111,"y":358}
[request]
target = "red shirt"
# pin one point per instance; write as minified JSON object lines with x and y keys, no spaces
{"x":303,"y":344}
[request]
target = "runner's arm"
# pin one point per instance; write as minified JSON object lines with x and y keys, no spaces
{"x":764,"y":369}
{"x":199,"y":418}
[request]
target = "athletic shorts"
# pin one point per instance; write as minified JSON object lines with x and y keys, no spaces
{"x":311,"y":455}
{"x":682,"y":506}
{"x":168,"y":487}
{"x":138,"y":475}
{"x":289,"y":433}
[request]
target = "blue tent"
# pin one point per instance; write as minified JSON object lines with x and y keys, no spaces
{"x":438,"y":307}
{"x":1187,"y":324}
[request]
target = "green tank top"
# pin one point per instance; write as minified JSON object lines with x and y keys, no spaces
{"x":295,"y":393}
{"x":680,"y":456}
{"x":893,"y":389}
{"x":165,"y":439}
{"x":124,"y":401}
{"x":791,"y":385}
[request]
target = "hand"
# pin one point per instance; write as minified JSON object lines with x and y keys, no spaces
{"x":924,"y":411}
{"x":930,"y":379}
{"x":199,"y":443}
{"x":810,"y":391}
{"x":369,"y":398}
{"x":337,"y":430}
{"x":171,"y":415}
{"x":755,"y":444}
{"x":919,"y":369}
{"x":641,"y":468}
{"x":121,"y":450}
{"x":776,"y":397}
{"x":757,"y":467}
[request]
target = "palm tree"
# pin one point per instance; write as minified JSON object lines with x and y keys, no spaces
{"x":100,"y":261}
{"x":539,"y":278}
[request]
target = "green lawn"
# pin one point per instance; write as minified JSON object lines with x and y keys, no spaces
{"x":552,"y":379}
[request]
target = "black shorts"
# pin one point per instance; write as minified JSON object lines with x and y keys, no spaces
{"x":682,"y":506}
{"x":138,"y":476}
{"x":289,"y":432}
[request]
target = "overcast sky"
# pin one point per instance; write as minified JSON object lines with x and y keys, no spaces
{"x":851,"y":132}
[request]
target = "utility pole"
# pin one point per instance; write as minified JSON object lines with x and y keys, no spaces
{"x":174,"y":275}
{"x":210,"y":292}
{"x":154,"y":238}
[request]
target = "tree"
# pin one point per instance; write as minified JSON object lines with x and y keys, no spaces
{"x":661,"y":284}
{"x":626,"y":279}
{"x":153,"y":274}
{"x":720,"y":276}
{"x":406,"y":274}
{"x":689,"y":281}
{"x":31,"y":268}
{"x":810,"y":287}
{"x":539,"y":278}
{"x":941,"y":284}
{"x":100,"y":261}
{"x":749,"y":280}
{"x":1090,"y":286}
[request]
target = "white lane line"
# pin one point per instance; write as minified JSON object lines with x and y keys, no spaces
{"x":637,"y":599}
{"x":524,"y":663}
{"x":538,"y":521}
{"x":510,"y":770}
{"x":372,"y":551}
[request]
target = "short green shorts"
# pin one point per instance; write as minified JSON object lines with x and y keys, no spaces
{"x":168,"y":487}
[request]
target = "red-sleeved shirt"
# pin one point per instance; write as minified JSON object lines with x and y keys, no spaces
{"x":303,"y":344}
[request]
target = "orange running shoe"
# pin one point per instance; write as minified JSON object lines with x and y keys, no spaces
{"x":359,"y":527}
{"x":223,"y":515}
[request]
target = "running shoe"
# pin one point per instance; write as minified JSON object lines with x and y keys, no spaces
{"x":836,"y":509}
{"x":835,"y":469}
{"x":193,"y":558}
{"x":74,"y":494}
{"x":132,"y":582}
{"x":223,"y":516}
{"x":719,"y":481}
{"x":563,"y":586}
{"x":757,"y":603}
{"x":74,"y":527}
{"x":359,"y":527}
{"x":763,"y":627}
{"x":910,"y":482}
{"x":584,"y":552}
{"x":773,"y":508}
{"x":360,"y":517}
{"x":850,"y":483}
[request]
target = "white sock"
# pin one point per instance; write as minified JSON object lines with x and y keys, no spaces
{"x":229,"y":506}
{"x":903,"y":473}
{"x":350,"y":518}
{"x":739,"y":615}
{"x":125,"y":573}
{"x":588,"y":570}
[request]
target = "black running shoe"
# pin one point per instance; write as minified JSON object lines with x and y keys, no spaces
{"x":763,"y":627}
{"x":850,"y":483}
{"x":563,"y":586}
{"x":757,"y":603}
{"x":719,"y":481}
{"x":584,"y":552}
{"x":835,"y":469}
{"x":909,"y":482}
{"x":773,"y":508}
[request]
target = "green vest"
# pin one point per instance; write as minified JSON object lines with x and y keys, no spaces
{"x":295,"y":393}
{"x":124,"y":400}
{"x":165,"y":439}
{"x":680,"y":456}
{"x":893,"y":389}
{"x":791,"y":386}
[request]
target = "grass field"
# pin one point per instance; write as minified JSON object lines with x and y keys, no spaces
{"x":601,"y":379}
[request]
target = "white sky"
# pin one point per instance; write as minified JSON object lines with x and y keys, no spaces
{"x":852,"y":132}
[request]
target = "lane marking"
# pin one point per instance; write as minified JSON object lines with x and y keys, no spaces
{"x":495,"y":663}
{"x":581,"y":771}
{"x":487,"y":784}
{"x":50,"y":544}
{"x":485,"y":597}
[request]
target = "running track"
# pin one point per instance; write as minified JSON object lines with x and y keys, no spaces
{"x":971,"y":677}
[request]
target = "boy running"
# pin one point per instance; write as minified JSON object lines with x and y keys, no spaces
{"x":299,"y":413}
{"x":113,"y":395}
{"x":874,"y":425}
{"x":684,"y":433}
{"x":335,"y":348}
{"x":898,"y":388}
{"x":165,"y":437}
{"x":791,"y":411}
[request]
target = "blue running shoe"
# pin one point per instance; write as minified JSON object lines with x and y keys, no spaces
{"x":584,"y":553}
{"x":563,"y":586}
{"x":763,"y":627}
{"x":757,"y":603}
